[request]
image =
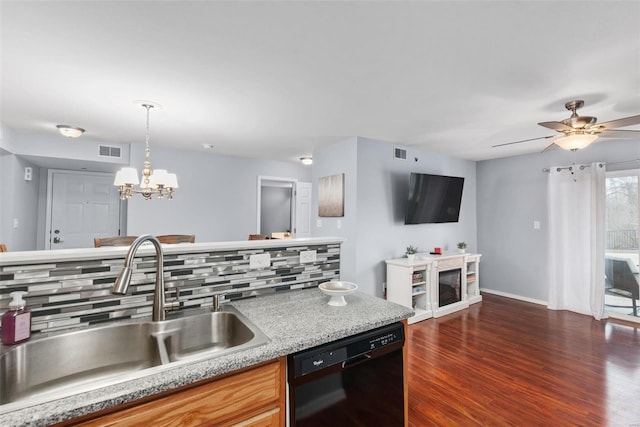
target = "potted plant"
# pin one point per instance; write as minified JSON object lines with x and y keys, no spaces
{"x":462,"y":247}
{"x":411,"y":252}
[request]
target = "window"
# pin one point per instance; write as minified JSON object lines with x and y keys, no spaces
{"x":622,"y":234}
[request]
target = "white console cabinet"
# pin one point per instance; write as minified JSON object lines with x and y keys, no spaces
{"x":408,"y":285}
{"x":434,"y":285}
{"x":473,"y":278}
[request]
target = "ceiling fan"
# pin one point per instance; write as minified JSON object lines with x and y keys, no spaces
{"x":578,"y":132}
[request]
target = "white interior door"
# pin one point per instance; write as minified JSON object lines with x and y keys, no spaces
{"x":82,"y":206}
{"x":303,"y":209}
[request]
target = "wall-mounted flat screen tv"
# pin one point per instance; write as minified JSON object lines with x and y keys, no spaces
{"x":433,"y":198}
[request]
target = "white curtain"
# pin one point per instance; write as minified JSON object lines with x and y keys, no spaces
{"x":576,"y":239}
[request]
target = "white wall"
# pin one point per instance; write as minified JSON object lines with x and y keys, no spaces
{"x":376,"y":191}
{"x":512,"y":193}
{"x":217,"y":198}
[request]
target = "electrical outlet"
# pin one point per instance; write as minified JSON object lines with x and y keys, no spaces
{"x":307,"y":256}
{"x":259,"y":261}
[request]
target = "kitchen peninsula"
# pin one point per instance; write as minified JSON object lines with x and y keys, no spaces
{"x":294,"y":320}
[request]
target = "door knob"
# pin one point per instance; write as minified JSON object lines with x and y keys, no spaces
{"x":57,"y":240}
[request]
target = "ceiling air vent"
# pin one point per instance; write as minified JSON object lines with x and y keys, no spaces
{"x":108,"y":151}
{"x":399,"y":153}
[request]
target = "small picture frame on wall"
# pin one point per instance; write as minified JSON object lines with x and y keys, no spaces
{"x":331,"y":196}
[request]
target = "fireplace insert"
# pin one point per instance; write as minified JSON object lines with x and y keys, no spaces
{"x":449,"y":287}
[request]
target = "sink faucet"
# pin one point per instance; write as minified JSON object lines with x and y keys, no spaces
{"x":124,"y":278}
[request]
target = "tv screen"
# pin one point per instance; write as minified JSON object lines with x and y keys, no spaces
{"x":433,"y":198}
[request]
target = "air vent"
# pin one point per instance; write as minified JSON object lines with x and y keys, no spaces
{"x":108,"y":151}
{"x":399,"y":153}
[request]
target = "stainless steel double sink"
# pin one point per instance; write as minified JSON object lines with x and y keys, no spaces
{"x":82,"y":360}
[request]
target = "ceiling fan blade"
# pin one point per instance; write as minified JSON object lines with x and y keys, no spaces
{"x":550,"y":147}
{"x":524,"y":140}
{"x":619,"y":133}
{"x":556,"y":126}
{"x":619,"y":123}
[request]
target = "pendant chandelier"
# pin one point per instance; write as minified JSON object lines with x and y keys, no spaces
{"x":158,"y":182}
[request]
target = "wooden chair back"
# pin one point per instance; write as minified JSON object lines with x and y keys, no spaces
{"x":113,"y":241}
{"x":258,"y":237}
{"x":177,"y":238}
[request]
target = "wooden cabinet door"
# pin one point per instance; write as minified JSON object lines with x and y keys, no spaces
{"x":254,"y":397}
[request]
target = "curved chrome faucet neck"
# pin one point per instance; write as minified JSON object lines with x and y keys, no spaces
{"x":121,"y":284}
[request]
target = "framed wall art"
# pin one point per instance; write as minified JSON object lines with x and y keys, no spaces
{"x":331,"y":195}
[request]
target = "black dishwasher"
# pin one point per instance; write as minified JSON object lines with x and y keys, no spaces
{"x":355,"y":381}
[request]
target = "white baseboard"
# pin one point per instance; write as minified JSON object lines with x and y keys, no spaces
{"x":514,"y":296}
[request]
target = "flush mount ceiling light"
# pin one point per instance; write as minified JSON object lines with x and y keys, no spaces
{"x":306,"y":160}
{"x":158,"y":182}
{"x":70,"y":131}
{"x":576,"y":141}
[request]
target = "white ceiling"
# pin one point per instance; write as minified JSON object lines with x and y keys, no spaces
{"x":279,"y":79}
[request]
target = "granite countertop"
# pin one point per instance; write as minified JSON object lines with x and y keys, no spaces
{"x":293,"y":320}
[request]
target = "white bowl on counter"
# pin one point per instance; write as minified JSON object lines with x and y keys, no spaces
{"x":336,"y":290}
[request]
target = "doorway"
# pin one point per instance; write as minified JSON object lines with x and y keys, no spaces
{"x":283,"y":207}
{"x":622,"y":250}
{"x":80,"y":206}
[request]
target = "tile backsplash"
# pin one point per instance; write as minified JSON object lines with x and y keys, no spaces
{"x":76,"y":293}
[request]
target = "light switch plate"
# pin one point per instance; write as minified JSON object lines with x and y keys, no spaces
{"x":307,"y":256}
{"x":536,"y":225}
{"x":259,"y":261}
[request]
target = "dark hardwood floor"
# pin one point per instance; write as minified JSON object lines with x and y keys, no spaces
{"x":507,"y":362}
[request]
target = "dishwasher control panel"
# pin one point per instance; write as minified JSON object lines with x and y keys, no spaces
{"x":314,"y":359}
{"x":320,"y":360}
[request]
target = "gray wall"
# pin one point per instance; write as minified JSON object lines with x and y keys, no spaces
{"x":217,"y":199}
{"x":512,"y":193}
{"x":376,"y":190}
{"x":275,"y":209}
{"x":339,"y":158}
{"x":19,"y":202}
{"x":217,"y":195}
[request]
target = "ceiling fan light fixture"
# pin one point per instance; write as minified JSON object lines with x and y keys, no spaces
{"x":70,"y":131}
{"x":576,"y":141}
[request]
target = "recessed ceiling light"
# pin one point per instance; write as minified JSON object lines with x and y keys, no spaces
{"x":70,"y":131}
{"x":306,"y":160}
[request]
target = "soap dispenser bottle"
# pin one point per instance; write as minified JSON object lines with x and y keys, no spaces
{"x":16,"y":323}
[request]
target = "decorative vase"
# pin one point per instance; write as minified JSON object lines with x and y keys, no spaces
{"x":411,"y":257}
{"x":461,"y":250}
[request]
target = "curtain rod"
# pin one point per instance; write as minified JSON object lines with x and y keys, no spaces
{"x":570,"y":168}
{"x":547,"y":170}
